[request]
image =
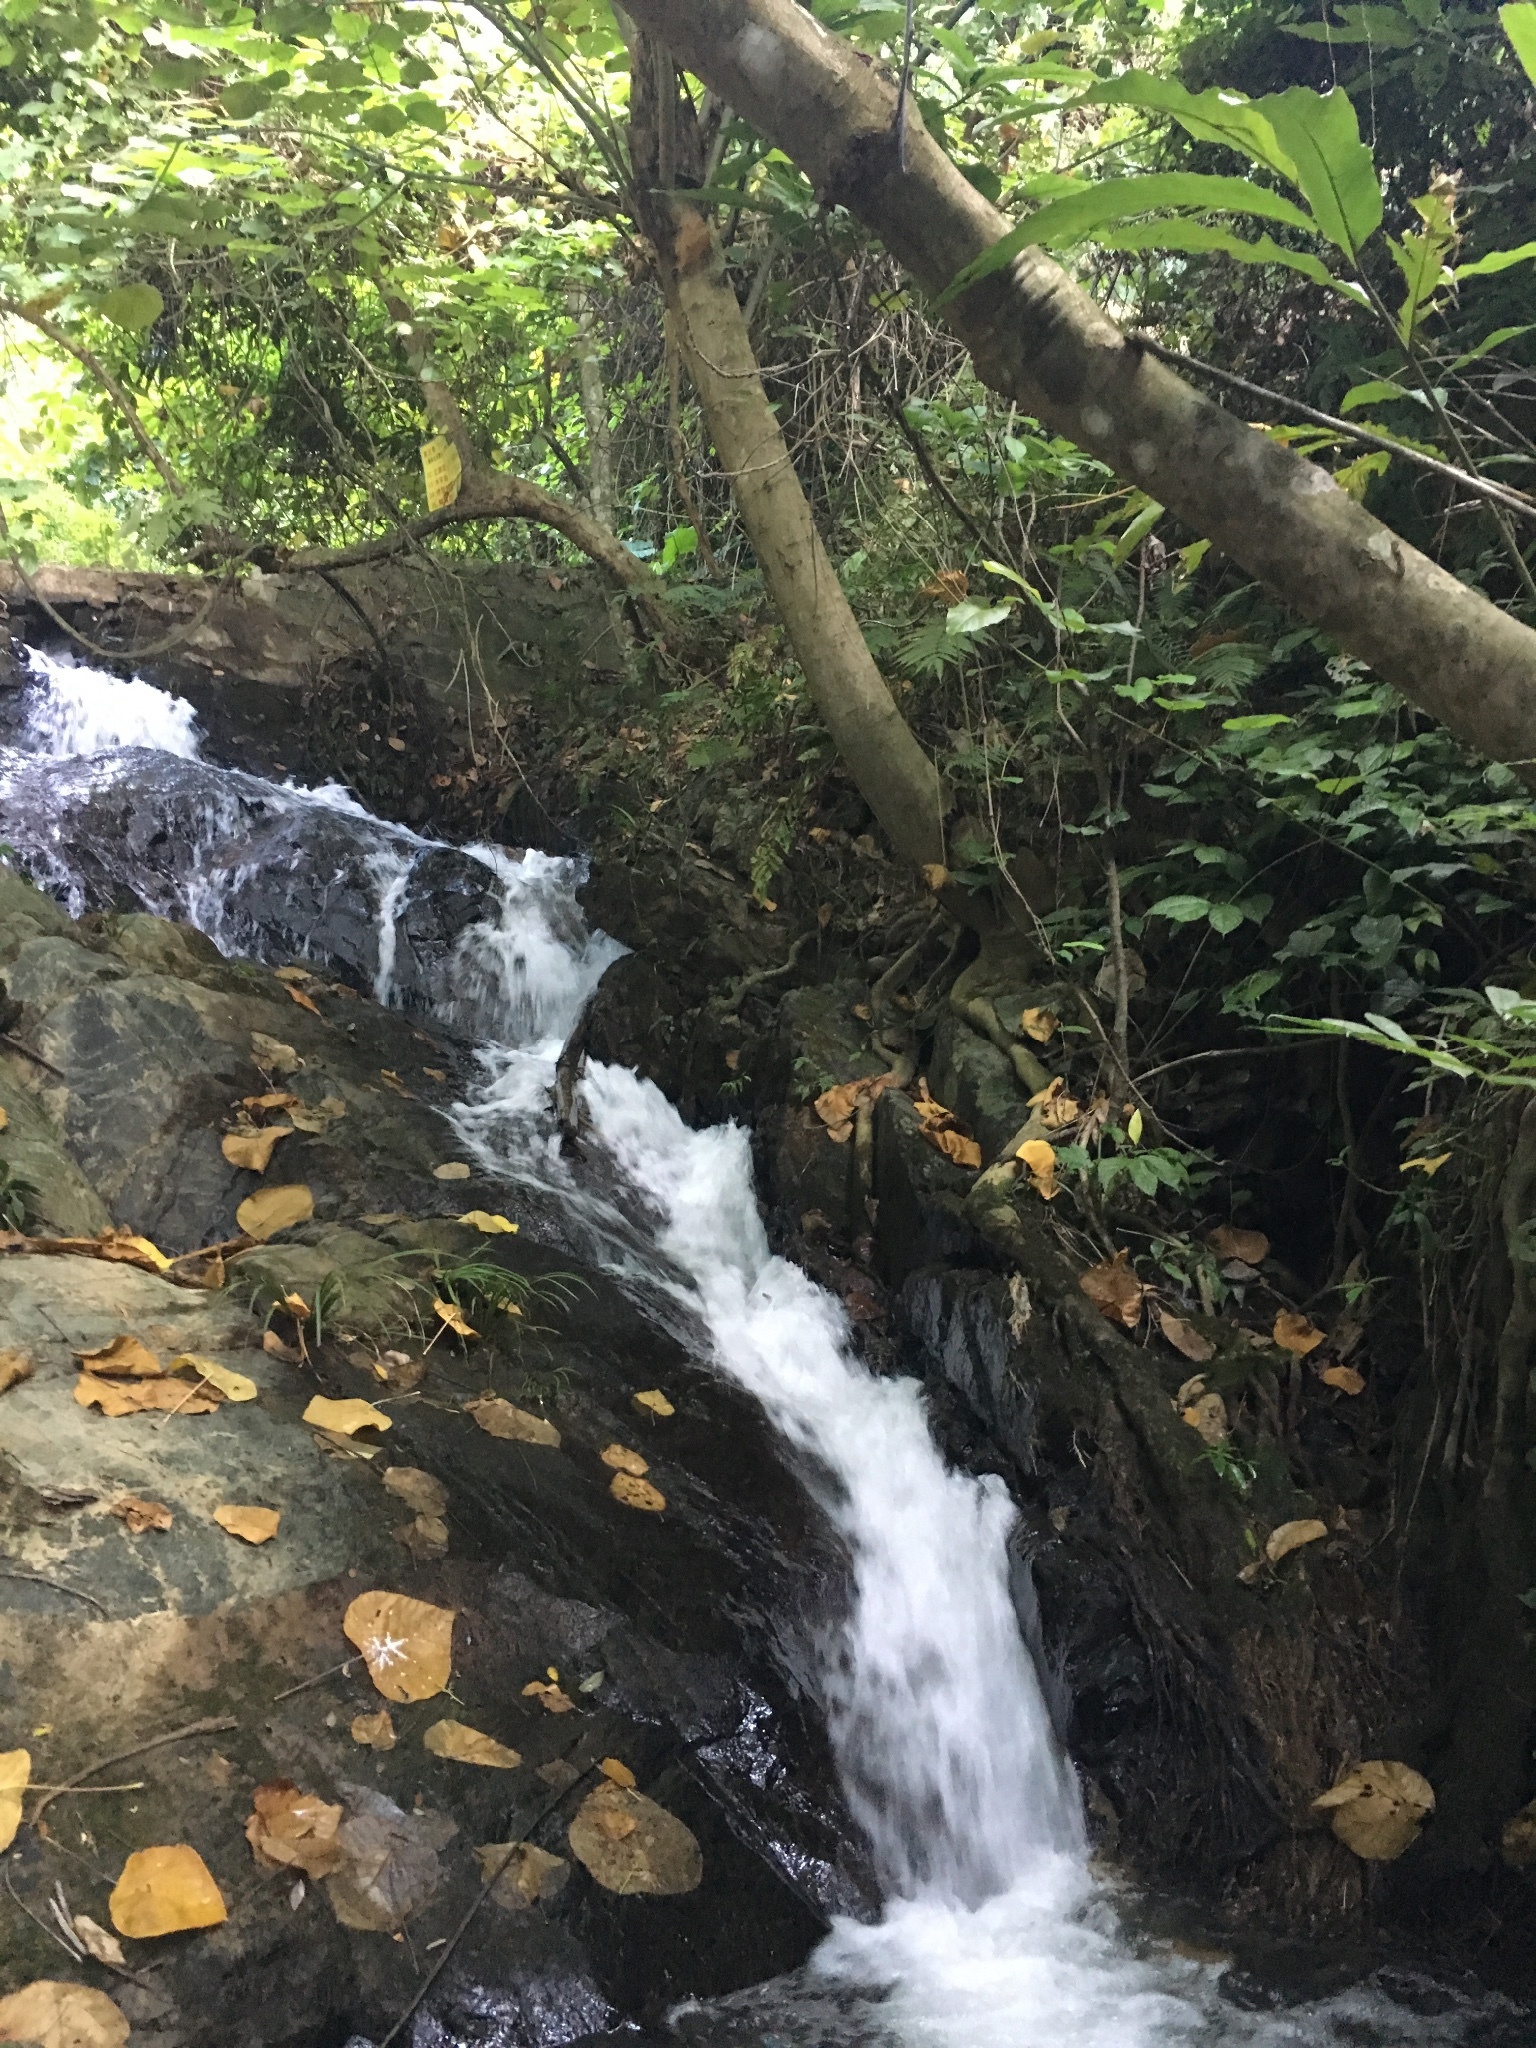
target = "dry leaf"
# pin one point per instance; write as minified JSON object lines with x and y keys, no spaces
{"x":452,"y":1169}
{"x":1292,"y":1332}
{"x":55,"y":2015}
{"x":1054,"y":1106}
{"x":935,"y":874}
{"x":15,"y":1366}
{"x":468,"y":1746}
{"x":1185,"y":1338}
{"x":1191,"y":1390}
{"x":490,"y":1225}
{"x":293,"y":1830}
{"x":652,"y":1402}
{"x":499,"y":1418}
{"x":345,"y":1417}
{"x":253,"y":1149}
{"x":297,"y":1307}
{"x":559,"y":1774}
{"x":1040,"y":1025}
{"x":97,"y":1943}
{"x":525,"y":1875}
{"x":1377,"y":1809}
{"x":141,"y":1514}
{"x":1208,"y":1417}
{"x":124,"y":1358}
{"x":276,"y":1098}
{"x":15,"y":1773}
{"x":407,"y":1644}
{"x":619,"y":1774}
{"x":392,"y":1081}
{"x":272,"y":1055}
{"x":269,"y":1210}
{"x":336,"y":1445}
{"x":636,"y":1493}
{"x":632,"y":1845}
{"x":419,"y":1490}
{"x":549,"y":1697}
{"x":374,"y":1731}
{"x":304,"y":1002}
{"x":135,"y":1397}
{"x":294,"y":973}
{"x":1114,"y":1290}
{"x":130,"y":1250}
{"x":623,"y":1460}
{"x":1344,"y":1377}
{"x":955,"y":1145}
{"x":391,"y":1868}
{"x":836,"y":1106}
{"x":1428,"y":1167}
{"x":1228,"y":1242}
{"x":1039,"y":1158}
{"x":1517,"y":1842}
{"x":450,"y":1314}
{"x":165,"y":1891}
{"x":234,"y":1386}
{"x":403,"y":1375}
{"x":318,"y":1117}
{"x":425,"y":1538}
{"x":950,"y":585}
{"x":253,"y":1525}
{"x":1291,"y":1536}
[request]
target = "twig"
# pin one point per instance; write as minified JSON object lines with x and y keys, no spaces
{"x":215,"y":1725}
{"x":57,"y":1586}
{"x":1497,"y":493}
{"x":36,"y":1057}
{"x":319,"y":1678}
{"x":137,"y":1786}
{"x":117,"y":1969}
{"x":206,"y":1251}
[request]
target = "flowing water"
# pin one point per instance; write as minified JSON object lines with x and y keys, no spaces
{"x":995,"y":1932}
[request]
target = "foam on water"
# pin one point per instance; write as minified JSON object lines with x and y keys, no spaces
{"x":80,"y":710}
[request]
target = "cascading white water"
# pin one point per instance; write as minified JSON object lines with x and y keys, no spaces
{"x":995,"y":1934}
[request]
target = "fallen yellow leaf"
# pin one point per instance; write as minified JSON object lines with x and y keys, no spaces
{"x":55,"y":2015}
{"x":345,"y":1417}
{"x":452,"y":1169}
{"x":1228,"y":1242}
{"x":407,"y":1644}
{"x":617,"y":1773}
{"x":1114,"y":1290}
{"x":15,"y":1366}
{"x":15,"y":1773}
{"x":1040,"y":1025}
{"x":468,"y":1746}
{"x":623,"y":1460}
{"x":234,"y":1386}
{"x":1377,"y":1809}
{"x":124,"y":1358}
{"x":253,"y":1525}
{"x":1039,"y":1158}
{"x":1185,"y":1338}
{"x":449,"y":1313}
{"x":263,"y":1214}
{"x":374,"y":1731}
{"x":419,"y":1490}
{"x":499,"y":1418}
{"x":305,"y":1002}
{"x":630,"y":1844}
{"x":549,"y":1697}
{"x":253,"y":1149}
{"x":652,"y":1402}
{"x":525,"y":1875}
{"x":636,"y":1493}
{"x":492,"y":1226}
{"x":135,"y":1397}
{"x":1344,"y":1377}
{"x":1292,"y":1536}
{"x":272,"y":1055}
{"x":293,"y":1830}
{"x":165,"y":1891}
{"x":131,"y":1250}
{"x":1207,"y":1416}
{"x":140,"y":1514}
{"x":1293,"y":1332}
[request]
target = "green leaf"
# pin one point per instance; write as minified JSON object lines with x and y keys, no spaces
{"x":1225,"y":917}
{"x":247,"y":96}
{"x":132,"y":307}
{"x":1520,"y":26}
{"x":1136,"y":532}
{"x":970,"y":617}
{"x":1492,"y":341}
{"x":1499,"y":259}
{"x":1212,"y":116}
{"x":1255,"y":721}
{"x":384,"y":119}
{"x":1383,"y":27}
{"x":1197,"y":237}
{"x":1181,"y":909}
{"x":1379,"y":392}
{"x":1334,"y":169}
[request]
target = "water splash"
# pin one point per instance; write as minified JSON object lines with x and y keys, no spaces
{"x":78,"y":710}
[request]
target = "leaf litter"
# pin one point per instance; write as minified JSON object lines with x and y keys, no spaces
{"x":407,"y":1644}
{"x":55,"y":2015}
{"x":165,"y":1891}
{"x":500,"y":1418}
{"x":632,"y":1845}
{"x":293,"y":1830}
{"x":465,"y":1745}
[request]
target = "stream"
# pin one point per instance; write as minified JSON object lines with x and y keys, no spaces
{"x":996,"y":1931}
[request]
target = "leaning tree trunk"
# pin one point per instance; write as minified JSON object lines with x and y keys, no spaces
{"x":894,"y":775}
{"x":1041,"y":342}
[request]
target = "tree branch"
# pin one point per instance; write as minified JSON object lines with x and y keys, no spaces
{"x":89,"y":360}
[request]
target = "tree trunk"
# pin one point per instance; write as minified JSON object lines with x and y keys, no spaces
{"x":594,"y":410}
{"x":894,"y":775}
{"x":1040,"y":341}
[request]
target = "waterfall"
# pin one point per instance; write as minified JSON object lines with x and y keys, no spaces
{"x":996,"y":1934}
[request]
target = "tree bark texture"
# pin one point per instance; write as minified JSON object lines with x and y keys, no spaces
{"x":1041,"y":342}
{"x":894,"y":775}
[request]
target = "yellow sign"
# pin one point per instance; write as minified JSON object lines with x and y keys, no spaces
{"x":443,"y":471}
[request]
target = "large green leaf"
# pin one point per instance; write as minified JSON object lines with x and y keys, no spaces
{"x":1196,"y":237}
{"x":132,"y":307}
{"x":1213,"y":116}
{"x":1519,"y":21}
{"x":1334,"y":168}
{"x":1383,"y":27}
{"x":1497,"y":259}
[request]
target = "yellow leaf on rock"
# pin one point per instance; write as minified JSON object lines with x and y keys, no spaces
{"x":490,"y":1225}
{"x":1040,"y":1025}
{"x":124,"y":1358}
{"x":624,"y":1460}
{"x":304,"y":1002}
{"x":1377,"y":1809}
{"x":652,"y":1402}
{"x":419,"y":1490}
{"x":374,"y":1731}
{"x":1039,"y":1158}
{"x":515,"y":1425}
{"x":549,"y":1697}
{"x":131,"y":1250}
{"x":632,"y":1845}
{"x":453,"y":1316}
{"x":407,"y":1644}
{"x":525,"y":1875}
{"x":50,"y":2014}
{"x":234,"y":1386}
{"x":1114,"y":1290}
{"x":345,"y":1417}
{"x":1185,"y":1338}
{"x":1344,"y":1377}
{"x":103,"y":1947}
{"x":452,"y":1169}
{"x":293,"y":1830}
{"x":1228,"y":1242}
{"x":1207,"y":1416}
{"x":468,"y":1746}
{"x":318,"y":1117}
{"x":140,"y":1514}
{"x":272,"y":1055}
{"x":165,"y":1891}
{"x":15,"y":1366}
{"x":1054,"y":1106}
{"x":1293,"y":1332}
{"x":269,"y":1210}
{"x":136,"y":1397}
{"x":253,"y":1149}
{"x":636,"y":1493}
{"x":936,"y":875}
{"x":253,"y":1525}
{"x":15,"y":1774}
{"x":955,"y":1145}
{"x":619,"y":1774}
{"x":1292,"y":1536}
